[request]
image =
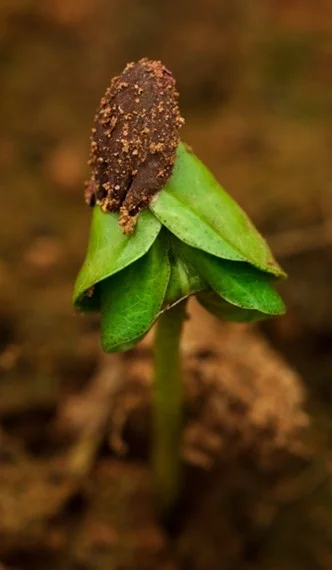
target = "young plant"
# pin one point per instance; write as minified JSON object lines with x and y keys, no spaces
{"x":163,"y":229}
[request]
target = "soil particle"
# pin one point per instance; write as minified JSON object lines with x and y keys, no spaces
{"x":134,"y":140}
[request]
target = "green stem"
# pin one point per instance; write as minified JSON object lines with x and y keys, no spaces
{"x":167,"y":408}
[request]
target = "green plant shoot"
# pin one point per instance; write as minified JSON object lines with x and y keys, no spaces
{"x":160,"y":242}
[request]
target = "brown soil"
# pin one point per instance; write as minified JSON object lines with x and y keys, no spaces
{"x":87,"y":502}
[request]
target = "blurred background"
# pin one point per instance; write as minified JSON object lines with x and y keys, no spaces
{"x":255,"y":81}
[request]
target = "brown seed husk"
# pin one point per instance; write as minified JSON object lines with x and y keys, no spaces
{"x":134,"y":140}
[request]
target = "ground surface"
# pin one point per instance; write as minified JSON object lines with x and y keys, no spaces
{"x":255,"y":86}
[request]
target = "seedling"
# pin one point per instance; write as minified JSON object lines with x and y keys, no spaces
{"x":163,"y":229}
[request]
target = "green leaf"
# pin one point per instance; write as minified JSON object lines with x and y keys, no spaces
{"x":132,"y":299}
{"x":110,"y":251}
{"x":238,"y":283}
{"x":184,"y":279}
{"x":225,"y":311}
{"x":195,"y":208}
